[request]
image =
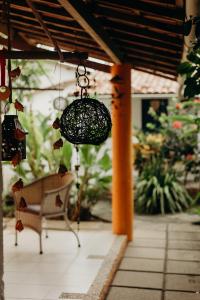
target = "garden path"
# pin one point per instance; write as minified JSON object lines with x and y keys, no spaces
{"x":163,"y":262}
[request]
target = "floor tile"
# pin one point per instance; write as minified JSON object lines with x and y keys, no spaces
{"x":138,"y":279}
{"x":117,"y":293}
{"x":181,"y":296}
{"x":22,"y":291}
{"x":155,"y":234}
{"x":184,"y":255}
{"x":145,"y":252}
{"x":191,"y":236}
{"x":184,"y":245}
{"x":183,"y":267}
{"x":183,"y":228}
{"x":142,"y":264}
{"x":183,"y":282}
{"x":150,"y":243}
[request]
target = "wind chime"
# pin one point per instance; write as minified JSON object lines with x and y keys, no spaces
{"x":13,"y":134}
{"x":84,"y":121}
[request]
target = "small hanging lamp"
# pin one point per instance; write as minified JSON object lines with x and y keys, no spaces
{"x":85,"y":120}
{"x":13,"y":138}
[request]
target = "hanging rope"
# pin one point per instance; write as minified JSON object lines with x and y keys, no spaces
{"x":9,"y":49}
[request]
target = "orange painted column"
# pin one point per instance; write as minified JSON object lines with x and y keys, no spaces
{"x":122,"y":156}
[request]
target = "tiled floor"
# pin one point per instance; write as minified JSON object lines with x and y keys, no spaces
{"x":63,"y":268}
{"x":163,"y":263}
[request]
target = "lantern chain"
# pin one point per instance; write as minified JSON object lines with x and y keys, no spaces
{"x":82,"y":80}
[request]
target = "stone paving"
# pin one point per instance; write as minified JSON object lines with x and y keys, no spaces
{"x":163,"y":263}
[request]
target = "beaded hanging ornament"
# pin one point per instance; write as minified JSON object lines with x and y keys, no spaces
{"x":85,"y":120}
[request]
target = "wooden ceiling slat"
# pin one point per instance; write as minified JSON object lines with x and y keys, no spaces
{"x":59,"y":27}
{"x":62,"y":37}
{"x":70,"y":46}
{"x":56,"y":13}
{"x":148,"y":58}
{"x":133,"y":21}
{"x":144,"y":41}
{"x":132,"y":12}
{"x":164,"y":3}
{"x":149,"y":8}
{"x":143,"y":32}
{"x":48,"y":20}
{"x":152,"y":30}
{"x":133,"y":46}
{"x":155,"y":72}
{"x":141,"y":63}
{"x":77,"y":41}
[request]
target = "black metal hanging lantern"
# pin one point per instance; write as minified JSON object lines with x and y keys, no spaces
{"x":11,"y":144}
{"x":85,"y":120}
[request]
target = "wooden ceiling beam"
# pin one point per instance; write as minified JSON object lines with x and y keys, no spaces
{"x":79,"y":12}
{"x":43,"y":54}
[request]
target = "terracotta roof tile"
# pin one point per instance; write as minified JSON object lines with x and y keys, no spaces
{"x":142,"y":83}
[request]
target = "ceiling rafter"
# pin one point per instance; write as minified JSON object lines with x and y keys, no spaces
{"x":44,"y":27}
{"x":80,"y":13}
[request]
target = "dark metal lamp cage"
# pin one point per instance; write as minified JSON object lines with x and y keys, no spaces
{"x":85,"y":121}
{"x":10,"y":145}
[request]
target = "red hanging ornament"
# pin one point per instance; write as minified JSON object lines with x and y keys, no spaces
{"x":22,"y":204}
{"x":17,"y":158}
{"x":4,"y":90}
{"x":19,"y":135}
{"x":19,"y":226}
{"x":17,"y":186}
{"x":18,"y":106}
{"x":15,"y":73}
{"x":58,"y":144}
{"x":62,"y":170}
{"x":56,"y":123}
{"x":59,"y":202}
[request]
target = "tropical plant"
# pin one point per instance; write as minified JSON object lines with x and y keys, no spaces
{"x":95,"y":176}
{"x":159,"y":190}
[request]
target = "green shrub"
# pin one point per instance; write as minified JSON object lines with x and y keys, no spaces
{"x":159,"y":190}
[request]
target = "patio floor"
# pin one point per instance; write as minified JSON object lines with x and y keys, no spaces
{"x":163,"y":262}
{"x":62,"y":268}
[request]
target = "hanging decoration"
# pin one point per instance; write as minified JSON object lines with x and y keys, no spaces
{"x":13,"y":139}
{"x":4,"y":90}
{"x":85,"y":120}
{"x":60,"y":103}
{"x":13,"y":134}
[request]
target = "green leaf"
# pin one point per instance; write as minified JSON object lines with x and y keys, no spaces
{"x":105,"y":162}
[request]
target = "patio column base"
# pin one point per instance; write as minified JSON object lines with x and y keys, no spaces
{"x":122,"y":156}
